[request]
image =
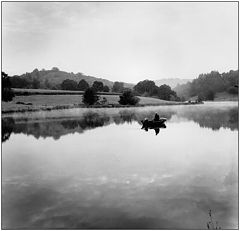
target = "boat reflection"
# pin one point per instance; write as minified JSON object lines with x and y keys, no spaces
{"x":156,"y":128}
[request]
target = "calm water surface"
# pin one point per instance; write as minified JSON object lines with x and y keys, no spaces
{"x":96,"y":168}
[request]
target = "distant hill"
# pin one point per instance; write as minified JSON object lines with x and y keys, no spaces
{"x":173,"y":82}
{"x":55,"y":77}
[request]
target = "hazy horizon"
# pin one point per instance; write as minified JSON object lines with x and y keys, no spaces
{"x":121,"y":41}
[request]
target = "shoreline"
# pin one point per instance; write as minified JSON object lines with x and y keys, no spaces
{"x":62,"y":107}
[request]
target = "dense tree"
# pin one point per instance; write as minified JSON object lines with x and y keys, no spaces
{"x":117,"y":87}
{"x":83,"y":85}
{"x":233,"y":90}
{"x":128,"y":97}
{"x":97,"y":86}
{"x":69,"y":84}
{"x":35,"y":83}
{"x":90,"y":97}
{"x":210,"y":95}
{"x":207,"y":85}
{"x":7,"y":92}
{"x":106,"y":88}
{"x":47,"y":85}
{"x":146,"y":87}
{"x":18,"y":82}
{"x":166,"y":93}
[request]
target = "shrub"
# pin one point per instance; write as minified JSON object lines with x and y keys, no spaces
{"x":210,"y":95}
{"x":233,"y":90}
{"x":127,"y":97}
{"x":90,"y":97}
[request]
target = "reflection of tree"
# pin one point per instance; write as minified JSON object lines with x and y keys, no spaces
{"x":125,"y":116}
{"x":233,"y":118}
{"x":93,"y":120}
{"x":213,"y":118}
{"x":7,"y":128}
{"x":69,"y":124}
{"x":60,"y":127}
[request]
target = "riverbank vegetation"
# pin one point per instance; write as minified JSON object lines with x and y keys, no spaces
{"x":207,"y":86}
{"x":69,"y":92}
{"x":50,"y":102}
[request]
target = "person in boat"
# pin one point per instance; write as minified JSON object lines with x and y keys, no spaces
{"x":156,"y":117}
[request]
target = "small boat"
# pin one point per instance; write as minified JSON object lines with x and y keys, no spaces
{"x":154,"y":123}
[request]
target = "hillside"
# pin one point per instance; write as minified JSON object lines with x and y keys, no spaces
{"x":55,"y":77}
{"x":173,"y":82}
{"x":207,"y":86}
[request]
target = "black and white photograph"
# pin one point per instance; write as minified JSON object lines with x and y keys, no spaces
{"x":119,"y":115}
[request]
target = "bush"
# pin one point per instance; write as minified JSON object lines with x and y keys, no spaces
{"x":210,"y":95}
{"x":233,"y":90}
{"x":90,"y":97}
{"x":127,"y":97}
{"x":200,"y":98}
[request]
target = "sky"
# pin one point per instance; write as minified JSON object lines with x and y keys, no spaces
{"x":121,"y":41}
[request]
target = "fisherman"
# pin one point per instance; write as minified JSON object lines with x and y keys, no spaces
{"x":156,"y":118}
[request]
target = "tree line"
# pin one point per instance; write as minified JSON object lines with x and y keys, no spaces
{"x":34,"y":81}
{"x":82,"y":85}
{"x":204,"y":87}
{"x":207,"y":85}
{"x":148,"y":88}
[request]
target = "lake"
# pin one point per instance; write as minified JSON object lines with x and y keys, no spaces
{"x":97,"y":169}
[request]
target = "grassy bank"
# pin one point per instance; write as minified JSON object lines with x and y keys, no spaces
{"x":52,"y":102}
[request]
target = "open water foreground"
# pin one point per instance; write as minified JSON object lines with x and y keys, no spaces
{"x":97,"y":169}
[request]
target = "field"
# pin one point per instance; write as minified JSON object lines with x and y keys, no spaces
{"x":22,"y":91}
{"x":49,"y":102}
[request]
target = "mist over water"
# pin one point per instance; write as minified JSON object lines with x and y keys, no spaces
{"x":96,"y":168}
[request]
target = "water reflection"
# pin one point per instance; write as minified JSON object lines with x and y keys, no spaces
{"x":214,"y":119}
{"x":7,"y":128}
{"x":206,"y":117}
{"x":117,"y":176}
